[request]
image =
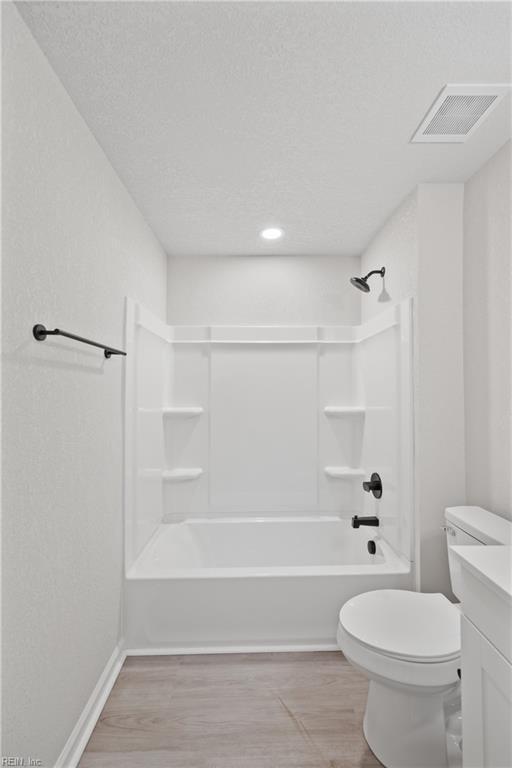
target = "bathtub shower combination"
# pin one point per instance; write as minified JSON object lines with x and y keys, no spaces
{"x":246,"y":450}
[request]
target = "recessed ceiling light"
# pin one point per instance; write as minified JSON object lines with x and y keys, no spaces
{"x":272,"y":233}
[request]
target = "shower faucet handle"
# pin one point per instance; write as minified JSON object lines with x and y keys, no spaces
{"x":373,"y":485}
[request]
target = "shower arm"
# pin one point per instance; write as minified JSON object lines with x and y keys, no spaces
{"x":380,"y":272}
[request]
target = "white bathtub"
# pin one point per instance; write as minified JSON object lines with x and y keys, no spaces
{"x":252,"y":583}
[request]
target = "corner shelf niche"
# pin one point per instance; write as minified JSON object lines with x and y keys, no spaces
{"x":344,"y":410}
{"x":182,"y":475}
{"x":341,"y":473}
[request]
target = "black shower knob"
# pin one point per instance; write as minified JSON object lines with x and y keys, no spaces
{"x":374,"y":485}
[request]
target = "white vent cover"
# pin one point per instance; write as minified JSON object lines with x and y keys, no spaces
{"x":458,"y":111}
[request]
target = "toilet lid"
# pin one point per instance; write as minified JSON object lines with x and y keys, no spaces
{"x":408,"y":625}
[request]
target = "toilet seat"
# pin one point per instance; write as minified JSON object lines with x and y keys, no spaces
{"x":408,"y":626}
{"x":395,"y":671}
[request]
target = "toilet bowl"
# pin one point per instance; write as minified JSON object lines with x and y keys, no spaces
{"x":408,"y":645}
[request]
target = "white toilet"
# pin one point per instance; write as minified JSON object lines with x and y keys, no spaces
{"x":408,"y":645}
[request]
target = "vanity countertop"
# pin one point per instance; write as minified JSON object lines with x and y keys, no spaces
{"x":486,"y":592}
{"x":490,"y":564}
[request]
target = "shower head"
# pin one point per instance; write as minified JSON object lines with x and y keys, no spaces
{"x":362,"y":282}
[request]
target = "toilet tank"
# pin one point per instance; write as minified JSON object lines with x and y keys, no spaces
{"x":467,"y":526}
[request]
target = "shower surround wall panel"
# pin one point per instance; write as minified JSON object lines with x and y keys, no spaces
{"x":387,"y":438}
{"x":250,"y":420}
{"x":263,"y":434}
{"x":144,"y":443}
{"x":259,"y":445}
{"x":340,"y":425}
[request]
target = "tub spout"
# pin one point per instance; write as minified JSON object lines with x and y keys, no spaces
{"x":357,"y":521}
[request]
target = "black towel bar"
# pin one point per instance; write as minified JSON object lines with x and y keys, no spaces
{"x":40,"y":333}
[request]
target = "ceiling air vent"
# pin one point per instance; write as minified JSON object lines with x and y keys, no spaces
{"x":458,"y":111}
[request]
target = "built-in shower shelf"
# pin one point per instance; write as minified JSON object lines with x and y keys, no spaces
{"x":338,"y":473}
{"x":182,"y":475}
{"x":343,"y":410}
{"x":185,"y":411}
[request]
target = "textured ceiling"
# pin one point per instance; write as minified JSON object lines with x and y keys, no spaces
{"x":224,"y":118}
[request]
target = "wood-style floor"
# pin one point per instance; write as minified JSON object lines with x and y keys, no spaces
{"x":277,"y":710}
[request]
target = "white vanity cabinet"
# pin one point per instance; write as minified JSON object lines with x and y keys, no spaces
{"x":486,"y":596}
{"x":486,"y":702}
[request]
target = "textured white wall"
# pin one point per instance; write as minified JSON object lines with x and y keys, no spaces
{"x":74,"y":245}
{"x":395,"y":247}
{"x":421,"y":247}
{"x":262,"y":290}
{"x":487,"y":334}
{"x":440,"y":474}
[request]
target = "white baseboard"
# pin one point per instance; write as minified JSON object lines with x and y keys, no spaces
{"x":75,"y":745}
{"x":207,"y":649}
